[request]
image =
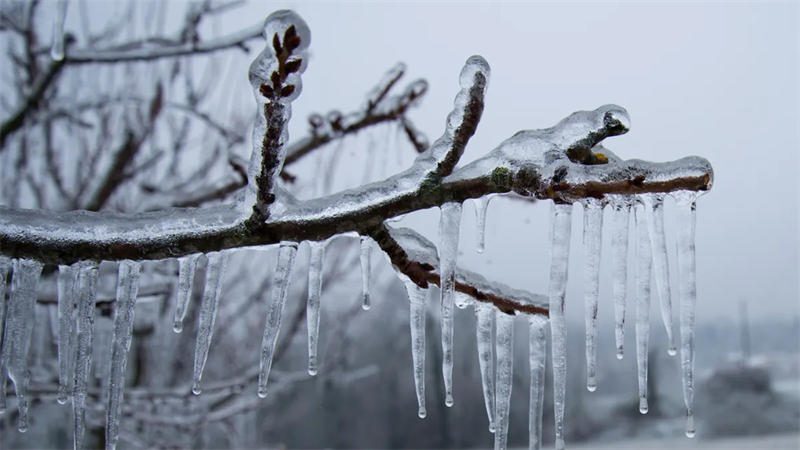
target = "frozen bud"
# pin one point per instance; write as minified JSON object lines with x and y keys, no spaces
{"x":285,"y":29}
{"x":475,"y":65}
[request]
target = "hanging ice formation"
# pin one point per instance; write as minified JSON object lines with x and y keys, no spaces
{"x":481,"y":206}
{"x":592,"y":244}
{"x":87,"y":293}
{"x":57,"y":47}
{"x":484,"y":315}
{"x":619,"y":265}
{"x":537,"y":354}
{"x":215,"y":271}
{"x":316,"y":256}
{"x":449,"y":225}
{"x":644,"y":268}
{"x":505,"y":378}
{"x":654,"y":210}
{"x":186,"y":269}
{"x":277,"y":301}
{"x":67,"y":310}
{"x":365,"y":260}
{"x":5,"y":269}
{"x":416,"y":299}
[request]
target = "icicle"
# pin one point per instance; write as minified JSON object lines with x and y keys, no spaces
{"x":485,"y":324}
{"x":366,"y":256}
{"x":5,"y":268}
{"x":687,"y":289}
{"x":67,"y":279}
{"x":57,"y":48}
{"x":416,"y":297}
{"x":537,"y":352}
{"x":619,"y":267}
{"x":186,"y":269}
{"x":561,"y":231}
{"x":215,"y":271}
{"x":18,"y":329}
{"x":505,"y":379}
{"x":87,"y":293}
{"x":481,"y":205}
{"x":280,"y":286}
{"x":312,"y":306}
{"x":654,"y":210}
{"x":644,"y":260}
{"x":592,"y":244}
{"x":127,"y":289}
{"x":449,"y":224}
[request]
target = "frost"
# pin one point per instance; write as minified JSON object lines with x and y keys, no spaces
{"x":485,"y":326}
{"x":215,"y":271}
{"x":87,"y":294}
{"x":416,"y":298}
{"x":654,"y":211}
{"x":67,"y":310}
{"x":644,"y":270}
{"x":619,"y":266}
{"x":449,"y":225}
{"x":481,"y":206}
{"x":280,"y":287}
{"x":537,"y":342}
{"x":592,"y":244}
{"x":364,"y":259}
{"x":127,"y":289}
{"x":186,"y":270}
{"x":505,"y":376}
{"x":316,"y":257}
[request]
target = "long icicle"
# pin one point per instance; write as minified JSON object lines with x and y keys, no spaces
{"x":481,"y":206}
{"x":561,"y":232}
{"x":18,"y":330}
{"x":449,"y":225}
{"x":416,"y":322}
{"x":687,"y":289}
{"x":654,"y":208}
{"x":537,"y":353}
{"x":5,"y":269}
{"x":215,"y":271}
{"x":87,"y":294}
{"x":592,"y":244}
{"x":186,"y":270}
{"x":127,"y":290}
{"x":619,"y":267}
{"x":505,"y":377}
{"x":57,"y":47}
{"x":67,"y":280}
{"x":316,"y":257}
{"x":485,"y":324}
{"x":280,"y":290}
{"x":644,"y":260}
{"x":366,"y":267}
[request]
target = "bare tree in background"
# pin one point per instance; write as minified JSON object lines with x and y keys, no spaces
{"x":125,"y":122}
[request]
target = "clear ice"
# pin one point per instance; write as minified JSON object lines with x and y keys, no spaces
{"x":504,"y":377}
{"x":481,"y":206}
{"x":416,"y":298}
{"x":654,"y":209}
{"x":186,"y":270}
{"x":317,"y":254}
{"x":620,"y":220}
{"x":87,"y":294}
{"x":644,"y":261}
{"x":592,"y":244}
{"x":365,"y":260}
{"x":67,"y":310}
{"x":484,"y":314}
{"x":215,"y":271}
{"x":449,"y":225}
{"x":537,"y":349}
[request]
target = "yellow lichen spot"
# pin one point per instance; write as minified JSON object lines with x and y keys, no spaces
{"x":600,"y":158}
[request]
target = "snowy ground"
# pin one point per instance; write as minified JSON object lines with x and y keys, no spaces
{"x":771,"y":442}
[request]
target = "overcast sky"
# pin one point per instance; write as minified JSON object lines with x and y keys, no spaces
{"x":718,"y":80}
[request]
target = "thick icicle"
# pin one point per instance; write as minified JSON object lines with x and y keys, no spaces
{"x":87,"y":293}
{"x":449,"y":224}
{"x":592,"y":245}
{"x":317,"y":254}
{"x":18,"y":330}
{"x":644,"y":261}
{"x":560,"y":233}
{"x":619,"y":267}
{"x":417,"y":297}
{"x":687,"y":289}
{"x":67,"y":280}
{"x":537,"y":352}
{"x":481,"y":205}
{"x":505,"y":379}
{"x":485,"y":324}
{"x":57,"y":47}
{"x":5,"y":268}
{"x":215,"y":271}
{"x":654,"y":210}
{"x":277,"y":301}
{"x":127,"y":289}
{"x":366,"y":257}
{"x":186,"y":269}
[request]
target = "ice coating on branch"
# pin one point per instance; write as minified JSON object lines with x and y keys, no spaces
{"x":537,"y":353}
{"x":559,"y":253}
{"x":365,"y":261}
{"x":449,"y":225}
{"x":620,"y":218}
{"x":18,"y":329}
{"x":127,"y":289}
{"x":379,"y":91}
{"x":316,"y":257}
{"x":481,"y":206}
{"x":215,"y":271}
{"x":57,"y":47}
{"x":644,"y":270}
{"x":592,"y":244}
{"x":87,"y":294}
{"x":687,"y":290}
{"x":484,"y":315}
{"x":67,"y":310}
{"x":505,"y":376}
{"x":654,"y":211}
{"x":186,"y":270}
{"x":277,"y":300}
{"x":416,"y":298}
